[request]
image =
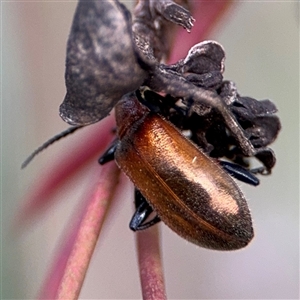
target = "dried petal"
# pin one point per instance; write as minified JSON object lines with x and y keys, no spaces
{"x":174,"y":13}
{"x":205,"y":57}
{"x":101,"y":62}
{"x":249,"y":108}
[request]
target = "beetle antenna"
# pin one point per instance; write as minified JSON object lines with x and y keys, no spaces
{"x":48,"y":143}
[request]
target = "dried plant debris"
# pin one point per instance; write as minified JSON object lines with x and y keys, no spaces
{"x":101,"y":63}
{"x":109,"y":55}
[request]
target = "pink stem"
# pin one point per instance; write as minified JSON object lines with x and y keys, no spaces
{"x":68,"y":273}
{"x":150,"y":265}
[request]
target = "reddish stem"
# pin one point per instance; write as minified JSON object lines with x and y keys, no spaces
{"x":150,"y":265}
{"x":67,"y":276}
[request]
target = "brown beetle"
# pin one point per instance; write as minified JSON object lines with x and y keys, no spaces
{"x":190,"y":193}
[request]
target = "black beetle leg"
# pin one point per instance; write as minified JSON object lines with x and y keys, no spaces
{"x":109,"y":154}
{"x":143,"y":210}
{"x":239,"y":173}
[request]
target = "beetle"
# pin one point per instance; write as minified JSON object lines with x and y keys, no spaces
{"x":188,"y":190}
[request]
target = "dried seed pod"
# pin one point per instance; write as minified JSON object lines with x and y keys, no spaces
{"x":101,"y":64}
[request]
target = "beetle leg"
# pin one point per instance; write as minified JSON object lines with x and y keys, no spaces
{"x":143,"y":210}
{"x":109,"y":154}
{"x":239,"y":172}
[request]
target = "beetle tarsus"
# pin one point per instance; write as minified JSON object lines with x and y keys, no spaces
{"x":109,"y":154}
{"x":240,"y":173}
{"x":143,"y":211}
